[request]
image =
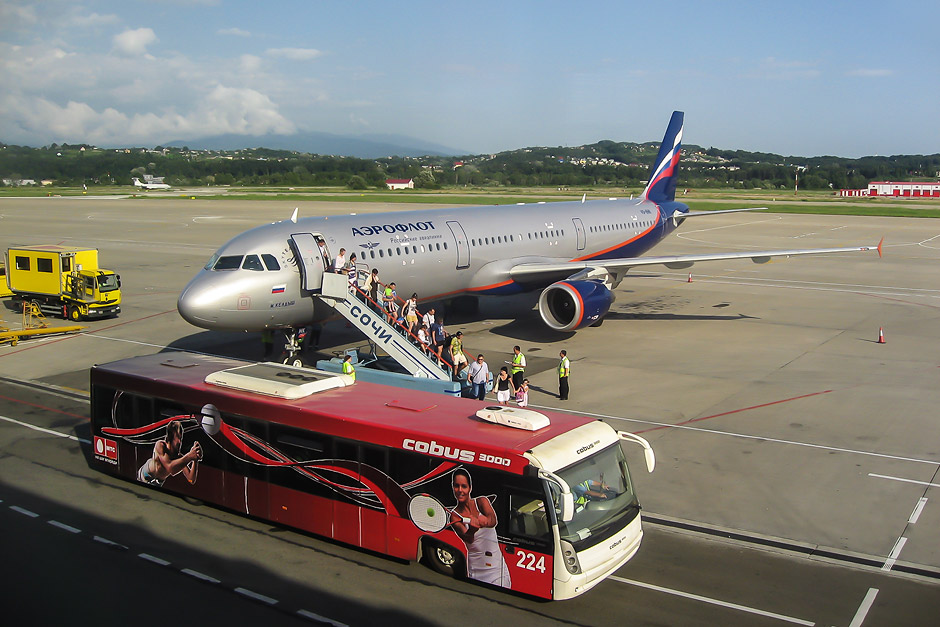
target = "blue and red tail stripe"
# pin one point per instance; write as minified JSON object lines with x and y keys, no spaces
{"x":662,"y":184}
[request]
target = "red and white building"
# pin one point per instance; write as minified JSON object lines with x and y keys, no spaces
{"x":400,"y":183}
{"x":892,"y":188}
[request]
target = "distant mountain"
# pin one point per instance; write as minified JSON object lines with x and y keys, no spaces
{"x":363,"y":146}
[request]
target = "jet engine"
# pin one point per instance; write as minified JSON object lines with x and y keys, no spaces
{"x":570,"y":305}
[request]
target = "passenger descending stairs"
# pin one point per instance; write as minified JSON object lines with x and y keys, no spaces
{"x":392,"y":339}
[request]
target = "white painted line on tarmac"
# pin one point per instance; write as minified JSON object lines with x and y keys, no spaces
{"x":752,"y":437}
{"x":256,"y":596}
{"x":917,"y":510}
{"x":322,"y":619}
{"x":935,"y":485}
{"x":864,"y":607}
{"x":69,"y":528}
{"x":25,"y":512}
{"x":107,"y":542}
{"x":895,"y":552}
{"x":696,"y":597}
{"x":155,"y":560}
{"x":199,"y":575}
{"x":44,"y":430}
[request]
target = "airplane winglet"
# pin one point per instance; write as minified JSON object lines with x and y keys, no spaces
{"x":293,"y":217}
{"x":879,"y":248}
{"x":583,"y":198}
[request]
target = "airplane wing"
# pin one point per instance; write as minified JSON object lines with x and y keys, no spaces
{"x":535,"y":271}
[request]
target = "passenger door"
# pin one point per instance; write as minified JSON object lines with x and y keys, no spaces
{"x":309,"y":260}
{"x":463,"y":246}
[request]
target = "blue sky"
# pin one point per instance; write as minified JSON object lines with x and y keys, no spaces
{"x":795,"y":78}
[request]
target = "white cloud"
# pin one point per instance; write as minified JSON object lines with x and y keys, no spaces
{"x":871,"y":72}
{"x":13,"y":16}
{"x":221,"y":110}
{"x":134,"y":42}
{"x":237,"y":32}
{"x":95,"y":19}
{"x":295,"y":54}
{"x":249,"y":63}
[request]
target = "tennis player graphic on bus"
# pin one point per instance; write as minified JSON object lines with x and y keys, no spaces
{"x":474,"y":521}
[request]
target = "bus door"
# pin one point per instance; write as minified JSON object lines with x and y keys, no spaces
{"x":309,"y":260}
{"x":529,"y":541}
{"x":579,"y":229}
{"x":463,"y":246}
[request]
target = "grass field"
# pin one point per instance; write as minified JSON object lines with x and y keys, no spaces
{"x":780,"y":201}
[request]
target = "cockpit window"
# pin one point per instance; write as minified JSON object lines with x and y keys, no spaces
{"x":228,"y":263}
{"x":270,"y":262}
{"x":212,"y":260}
{"x":252,"y":263}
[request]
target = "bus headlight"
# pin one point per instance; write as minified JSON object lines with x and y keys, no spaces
{"x":570,"y":557}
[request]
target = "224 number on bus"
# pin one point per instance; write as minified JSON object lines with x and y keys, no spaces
{"x":535,"y":562}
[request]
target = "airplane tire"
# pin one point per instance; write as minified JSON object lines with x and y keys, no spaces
{"x":297,"y":363}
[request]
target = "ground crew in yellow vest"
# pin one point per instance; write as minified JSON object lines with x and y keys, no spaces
{"x":564,"y":368}
{"x":348,"y":367}
{"x":518,"y":366}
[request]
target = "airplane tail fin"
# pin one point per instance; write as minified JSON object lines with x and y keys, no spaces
{"x":662,"y":184}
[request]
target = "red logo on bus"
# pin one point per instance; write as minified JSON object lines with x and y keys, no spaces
{"x":106,"y":449}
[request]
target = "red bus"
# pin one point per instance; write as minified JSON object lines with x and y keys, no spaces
{"x":540,"y":503}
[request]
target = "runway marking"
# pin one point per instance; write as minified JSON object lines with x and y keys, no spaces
{"x":746,"y":436}
{"x":927,"y":483}
{"x":109,"y":543}
{"x":25,"y":512}
{"x":256,"y":596}
{"x":735,"y":411}
{"x":69,"y":528}
{"x":44,"y":430}
{"x":199,"y":575}
{"x":864,"y":607}
{"x":322,"y":619}
{"x":917,"y":510}
{"x":155,"y":560}
{"x":696,"y":597}
{"x":895,"y":552}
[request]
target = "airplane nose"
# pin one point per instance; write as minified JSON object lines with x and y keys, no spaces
{"x":196,"y":307}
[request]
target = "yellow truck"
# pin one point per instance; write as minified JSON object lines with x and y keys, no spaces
{"x":63,"y":280}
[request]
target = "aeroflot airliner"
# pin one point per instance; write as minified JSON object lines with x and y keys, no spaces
{"x":576,"y":253}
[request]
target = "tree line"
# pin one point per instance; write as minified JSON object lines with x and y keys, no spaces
{"x":603,"y":164}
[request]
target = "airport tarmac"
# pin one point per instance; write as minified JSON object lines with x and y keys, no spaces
{"x":774,"y":412}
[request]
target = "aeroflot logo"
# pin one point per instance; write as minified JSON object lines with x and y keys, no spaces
{"x":437,"y":450}
{"x":401,"y":227}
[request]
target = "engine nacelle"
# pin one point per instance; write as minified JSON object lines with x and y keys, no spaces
{"x":570,"y":305}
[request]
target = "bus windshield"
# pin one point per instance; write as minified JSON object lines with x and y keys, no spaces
{"x":604,"y":499}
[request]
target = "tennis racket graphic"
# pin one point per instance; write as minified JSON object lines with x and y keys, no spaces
{"x":429,"y":514}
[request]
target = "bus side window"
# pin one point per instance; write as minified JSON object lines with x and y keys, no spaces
{"x":527,"y":516}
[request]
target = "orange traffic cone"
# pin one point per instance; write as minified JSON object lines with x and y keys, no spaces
{"x":881,"y":335}
{"x":690,"y":277}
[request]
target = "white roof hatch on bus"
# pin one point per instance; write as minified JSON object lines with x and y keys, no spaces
{"x":514,"y":417}
{"x":278,"y":380}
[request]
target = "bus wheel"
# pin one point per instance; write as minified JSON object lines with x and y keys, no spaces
{"x":443,"y":558}
{"x":74,"y":313}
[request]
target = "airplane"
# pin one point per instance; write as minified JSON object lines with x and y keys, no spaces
{"x":151,"y":183}
{"x":575,"y":253}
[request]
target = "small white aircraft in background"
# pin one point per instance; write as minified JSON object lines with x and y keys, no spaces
{"x":150,"y":182}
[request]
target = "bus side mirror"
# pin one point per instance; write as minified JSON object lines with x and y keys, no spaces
{"x":567,"y":499}
{"x":647,"y":449}
{"x":567,"y":507}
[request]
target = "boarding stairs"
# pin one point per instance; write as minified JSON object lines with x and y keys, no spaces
{"x":366,"y":315}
